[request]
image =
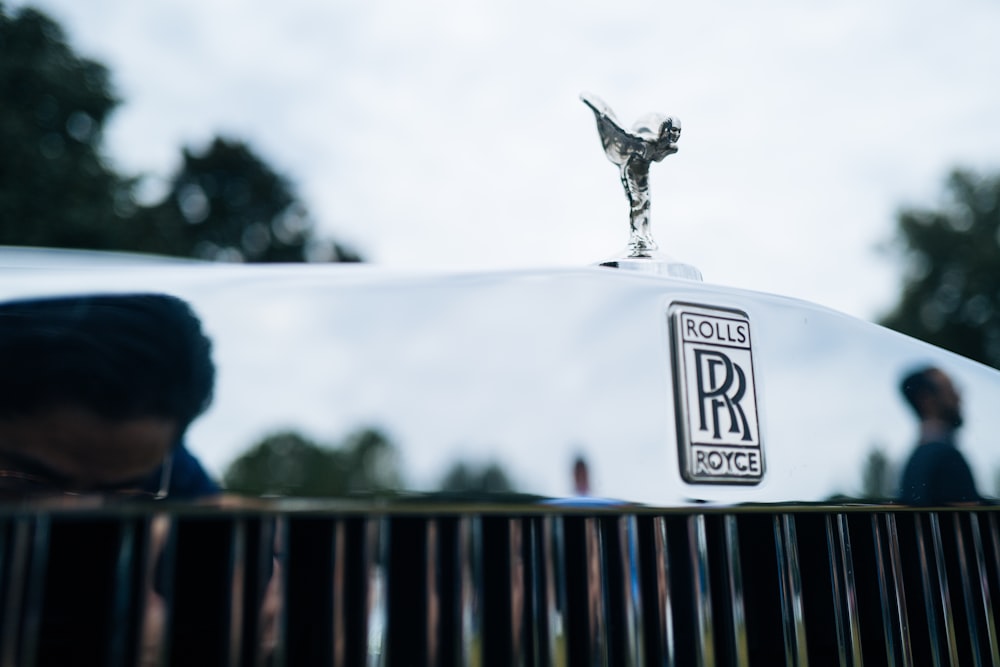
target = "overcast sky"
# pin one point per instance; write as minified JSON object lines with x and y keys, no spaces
{"x":449,"y":133}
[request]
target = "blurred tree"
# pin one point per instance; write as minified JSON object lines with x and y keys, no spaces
{"x":370,"y":462}
{"x":466,"y":478}
{"x":227,"y":204}
{"x":284,"y":464}
{"x":289,"y":464}
{"x":55,"y":189}
{"x":951,"y":285}
{"x":877,"y":481}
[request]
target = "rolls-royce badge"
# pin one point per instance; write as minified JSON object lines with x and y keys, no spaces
{"x":715,"y":392}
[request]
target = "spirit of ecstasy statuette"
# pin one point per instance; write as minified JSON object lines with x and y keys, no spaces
{"x":650,"y":140}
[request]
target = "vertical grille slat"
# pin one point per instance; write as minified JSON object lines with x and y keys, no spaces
{"x":761,"y":597}
{"x":237,"y":592}
{"x":409,"y":592}
{"x":826,"y":608}
{"x":843,"y":588}
{"x":890,"y":571}
{"x":657,"y":599}
{"x":928,"y":581}
{"x":26,"y":556}
{"x":876,"y":618}
{"x":308,"y":560}
{"x":371,"y":596}
{"x":968,"y":567}
{"x":944,"y":592}
{"x":790,"y":588}
{"x":698,"y":554}
{"x":738,"y":636}
{"x":886,"y":589}
{"x":633,"y":649}
{"x":986,"y":587}
{"x":551,"y":593}
{"x":470,"y":593}
{"x":201,"y":591}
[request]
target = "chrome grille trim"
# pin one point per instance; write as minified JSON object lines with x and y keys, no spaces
{"x":698,"y":546}
{"x":976,"y":617}
{"x":943,"y":588}
{"x":470,"y":590}
{"x":928,"y":586}
{"x":533,"y":587}
{"x":790,"y":586}
{"x":984,"y":589}
{"x":894,"y":617}
{"x":740,"y":649}
{"x":631,"y":590}
{"x":664,"y":629}
{"x":845,"y":604}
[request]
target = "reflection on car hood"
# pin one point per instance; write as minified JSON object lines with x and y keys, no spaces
{"x":530,"y":369}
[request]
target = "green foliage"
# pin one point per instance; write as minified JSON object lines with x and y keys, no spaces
{"x":466,"y":478}
{"x":227,"y":204}
{"x":951,"y":290}
{"x":56,"y":190}
{"x":289,"y":464}
{"x":877,"y":477}
{"x":54,"y":187}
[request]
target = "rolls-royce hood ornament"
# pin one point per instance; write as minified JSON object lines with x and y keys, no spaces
{"x":652,"y":138}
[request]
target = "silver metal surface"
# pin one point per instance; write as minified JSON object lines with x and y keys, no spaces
{"x":530,"y":368}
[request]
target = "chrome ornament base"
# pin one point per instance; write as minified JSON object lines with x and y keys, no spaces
{"x":653,"y":262}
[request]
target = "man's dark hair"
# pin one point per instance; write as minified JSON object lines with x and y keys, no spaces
{"x":120,"y":356}
{"x":917,"y":384}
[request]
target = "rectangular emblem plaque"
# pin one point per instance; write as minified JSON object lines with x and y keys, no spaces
{"x":716,"y":396}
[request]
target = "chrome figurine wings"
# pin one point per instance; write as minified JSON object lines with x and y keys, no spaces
{"x":650,"y":140}
{"x":653,"y":137}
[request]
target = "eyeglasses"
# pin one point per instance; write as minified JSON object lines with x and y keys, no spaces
{"x":21,"y":484}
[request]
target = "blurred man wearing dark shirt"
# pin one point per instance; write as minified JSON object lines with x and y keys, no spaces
{"x":936,"y":473}
{"x":96,"y":394}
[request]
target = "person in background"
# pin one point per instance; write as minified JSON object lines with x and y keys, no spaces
{"x":936,"y":473}
{"x":581,"y":477}
{"x":96,"y":394}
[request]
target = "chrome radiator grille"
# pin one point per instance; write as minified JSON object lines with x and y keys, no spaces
{"x":488,"y":586}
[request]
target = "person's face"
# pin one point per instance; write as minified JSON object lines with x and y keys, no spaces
{"x":947,"y":401}
{"x":82,"y":452}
